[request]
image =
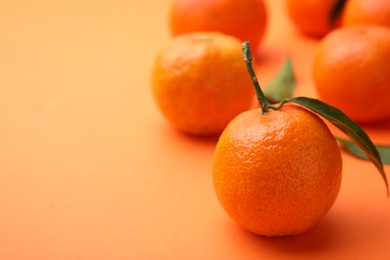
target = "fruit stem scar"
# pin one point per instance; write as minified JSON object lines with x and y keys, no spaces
{"x":264,"y":104}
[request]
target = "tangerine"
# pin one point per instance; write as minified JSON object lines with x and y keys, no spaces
{"x":277,"y":173}
{"x":311,"y":17}
{"x":200,"y":83}
{"x":352,"y":71}
{"x":367,"y":12}
{"x":245,"y":20}
{"x":276,"y":170}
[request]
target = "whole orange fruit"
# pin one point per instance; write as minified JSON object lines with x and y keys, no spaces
{"x":277,"y":173}
{"x":375,"y":12}
{"x":200,"y":83}
{"x":311,"y":17}
{"x":245,"y":20}
{"x":352,"y":71}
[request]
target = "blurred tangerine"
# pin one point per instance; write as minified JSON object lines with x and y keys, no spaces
{"x":245,"y":20}
{"x":200,"y":83}
{"x":311,"y":17}
{"x":352,"y":71}
{"x":376,"y":12}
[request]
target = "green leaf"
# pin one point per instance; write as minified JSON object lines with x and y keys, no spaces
{"x":352,"y":148}
{"x":283,"y":85}
{"x":345,"y":124}
{"x":336,"y":12}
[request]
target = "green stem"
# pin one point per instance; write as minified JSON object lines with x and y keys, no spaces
{"x":264,"y":104}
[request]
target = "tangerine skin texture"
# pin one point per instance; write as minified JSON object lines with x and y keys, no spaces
{"x":375,"y":12}
{"x":246,"y":20}
{"x":200,"y":82}
{"x":352,"y":72}
{"x":279,"y":173}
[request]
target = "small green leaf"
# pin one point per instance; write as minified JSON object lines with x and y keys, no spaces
{"x":283,"y":85}
{"x":345,"y":124}
{"x":336,"y":12}
{"x":352,"y":148}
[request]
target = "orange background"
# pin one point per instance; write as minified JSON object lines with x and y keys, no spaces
{"x":89,"y":169}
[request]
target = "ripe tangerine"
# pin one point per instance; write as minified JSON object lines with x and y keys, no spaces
{"x":245,"y":20}
{"x":200,"y":83}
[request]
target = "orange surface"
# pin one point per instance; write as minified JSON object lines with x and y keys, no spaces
{"x":89,"y":169}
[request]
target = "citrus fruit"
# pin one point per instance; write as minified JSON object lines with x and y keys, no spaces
{"x":375,"y":12}
{"x":277,"y":173}
{"x":311,"y":17}
{"x":352,"y":71}
{"x":276,"y":170}
{"x":200,"y":83}
{"x":245,"y":20}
